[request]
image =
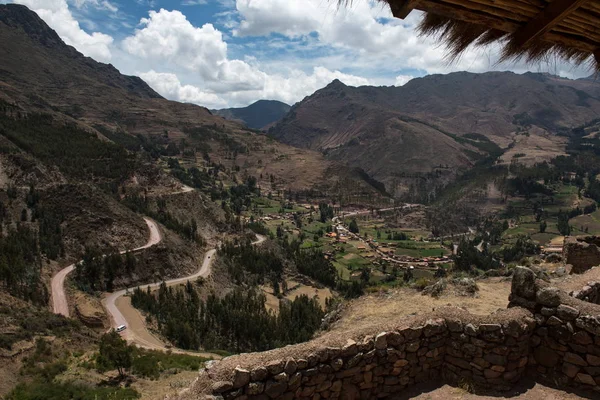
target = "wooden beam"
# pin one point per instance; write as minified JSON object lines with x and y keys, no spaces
{"x":502,"y":24}
{"x":401,"y":8}
{"x":544,"y":21}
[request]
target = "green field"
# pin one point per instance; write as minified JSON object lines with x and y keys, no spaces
{"x":371,"y":226}
{"x":420,"y":253}
{"x":265,"y":206}
{"x":590,"y":221}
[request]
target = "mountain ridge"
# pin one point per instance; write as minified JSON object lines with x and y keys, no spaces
{"x":258,"y":115}
{"x":450,"y":120}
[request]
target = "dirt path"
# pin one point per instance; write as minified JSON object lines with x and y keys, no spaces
{"x":119,"y":306}
{"x":59,"y":297}
{"x":184,"y":189}
{"x":123,"y":313}
{"x":365,"y":212}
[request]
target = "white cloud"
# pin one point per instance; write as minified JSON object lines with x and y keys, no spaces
{"x":370,"y":35}
{"x":169,"y":86}
{"x":168,"y":37}
{"x":194,"y":63}
{"x":366,"y":28}
{"x":193,"y":2}
{"x":294,"y":17}
{"x":98,"y":4}
{"x":57,"y":15}
{"x":402,"y":79}
{"x":170,"y":41}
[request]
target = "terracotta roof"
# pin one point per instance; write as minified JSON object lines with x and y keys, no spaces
{"x":529,"y":29}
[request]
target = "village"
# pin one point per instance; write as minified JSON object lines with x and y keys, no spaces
{"x":385,"y":257}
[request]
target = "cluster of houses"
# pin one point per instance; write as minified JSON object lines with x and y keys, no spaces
{"x":386,"y":251}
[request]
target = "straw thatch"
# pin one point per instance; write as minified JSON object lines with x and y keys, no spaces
{"x":527,"y":29}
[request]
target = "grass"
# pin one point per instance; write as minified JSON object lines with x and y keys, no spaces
{"x":590,"y":221}
{"x":150,"y":363}
{"x":59,"y":391}
{"x":271,"y":206}
{"x":343,"y":271}
{"x":419,"y":249}
{"x":420,"y":253}
{"x":544,"y":238}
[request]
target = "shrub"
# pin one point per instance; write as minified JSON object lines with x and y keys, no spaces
{"x":422,"y":283}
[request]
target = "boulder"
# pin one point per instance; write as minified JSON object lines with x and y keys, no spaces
{"x":523,"y":283}
{"x":241,"y":377}
{"x":549,"y":296}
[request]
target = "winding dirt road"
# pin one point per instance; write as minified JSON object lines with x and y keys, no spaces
{"x":123,"y":313}
{"x":59,"y":297}
{"x":119,"y":306}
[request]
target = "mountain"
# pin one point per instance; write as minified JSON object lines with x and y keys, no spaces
{"x":40,"y":73}
{"x":439,"y":125}
{"x":257,"y":115}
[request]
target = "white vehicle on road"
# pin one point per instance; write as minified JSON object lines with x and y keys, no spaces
{"x":121,"y":328}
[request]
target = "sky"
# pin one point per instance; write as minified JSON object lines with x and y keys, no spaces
{"x":230,"y":53}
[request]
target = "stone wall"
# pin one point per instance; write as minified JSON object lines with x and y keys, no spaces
{"x":544,"y":332}
{"x":589,"y":293}
{"x":582,"y":252}
{"x":450,"y":344}
{"x":565,"y":345}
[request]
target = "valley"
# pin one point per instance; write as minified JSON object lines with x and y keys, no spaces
{"x":363,"y":238}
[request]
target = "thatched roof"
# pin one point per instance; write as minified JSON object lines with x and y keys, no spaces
{"x":530,"y":29}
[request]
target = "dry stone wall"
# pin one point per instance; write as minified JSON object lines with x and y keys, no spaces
{"x":582,"y":252}
{"x":589,"y":293}
{"x":451,"y":345}
{"x":544,"y":332}
{"x":565,"y":344}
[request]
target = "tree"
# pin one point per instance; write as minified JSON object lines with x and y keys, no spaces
{"x":365,"y":275}
{"x":353,"y":227}
{"x":114,"y":353}
{"x":543,"y":226}
{"x":563,"y":223}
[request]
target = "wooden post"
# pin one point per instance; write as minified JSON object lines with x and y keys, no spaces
{"x":401,"y":8}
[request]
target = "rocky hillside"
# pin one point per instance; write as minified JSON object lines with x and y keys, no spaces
{"x":448,"y":121}
{"x":40,"y":73}
{"x":257,"y":115}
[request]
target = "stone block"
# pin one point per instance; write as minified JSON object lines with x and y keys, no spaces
{"x":585,"y":379}
{"x":381,"y":341}
{"x":241,"y":377}
{"x":275,"y":389}
{"x":275,"y":367}
{"x":567,"y":313}
{"x":582,"y":337}
{"x":523,"y":283}
{"x":490,"y":374}
{"x":495,"y":359}
{"x":291,"y":367}
{"x":575,"y":359}
{"x":255,"y":388}
{"x":259,"y":374}
{"x":593,"y":360}
{"x":546,"y":357}
{"x":221,"y":387}
{"x":570,"y":370}
{"x":549,"y":296}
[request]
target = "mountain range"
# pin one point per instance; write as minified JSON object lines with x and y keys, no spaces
{"x":258,"y":115}
{"x":40,"y":73}
{"x":449,"y":121}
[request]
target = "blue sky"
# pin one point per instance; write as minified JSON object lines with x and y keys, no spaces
{"x":222,"y":53}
